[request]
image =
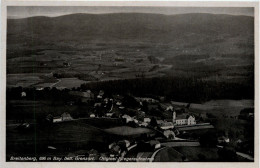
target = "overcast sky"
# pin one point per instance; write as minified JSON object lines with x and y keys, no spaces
{"x":52,"y":11}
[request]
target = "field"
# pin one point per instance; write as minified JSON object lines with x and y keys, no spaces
{"x":103,"y":123}
{"x":33,"y":110}
{"x":168,"y":155}
{"x":219,"y":107}
{"x":65,"y":137}
{"x":69,"y":83}
{"x":126,"y":131}
{"x":193,"y":153}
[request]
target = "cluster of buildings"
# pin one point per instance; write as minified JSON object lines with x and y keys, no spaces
{"x":63,"y":117}
{"x":141,"y":123}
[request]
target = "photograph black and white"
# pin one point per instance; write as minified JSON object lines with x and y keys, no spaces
{"x":130,"y":84}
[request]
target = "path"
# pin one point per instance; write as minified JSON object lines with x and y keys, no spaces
{"x":153,"y":155}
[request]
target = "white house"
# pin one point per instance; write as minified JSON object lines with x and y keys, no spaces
{"x":168,"y":134}
{"x":183,"y":119}
{"x":156,"y":144}
{"x":64,"y":117}
{"x":147,"y":120}
{"x":118,"y":103}
{"x":99,"y":96}
{"x":167,"y":125}
{"x":136,"y":121}
{"x":57,"y":119}
{"x":169,"y":108}
{"x":223,"y":139}
{"x":109,"y":114}
{"x":23,"y":94}
{"x":143,"y":124}
{"x":128,"y":118}
{"x":92,"y":116}
{"x":97,"y":105}
{"x":159,"y":122}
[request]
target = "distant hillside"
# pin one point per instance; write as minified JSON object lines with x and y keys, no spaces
{"x":135,"y":26}
{"x":203,"y":45}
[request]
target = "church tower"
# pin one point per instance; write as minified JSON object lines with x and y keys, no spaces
{"x":174,"y":117}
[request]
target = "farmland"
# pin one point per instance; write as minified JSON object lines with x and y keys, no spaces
{"x":155,"y":52}
{"x":87,"y":84}
{"x":126,"y":131}
{"x":74,"y":134}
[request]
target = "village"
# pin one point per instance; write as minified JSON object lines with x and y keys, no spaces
{"x":148,"y":127}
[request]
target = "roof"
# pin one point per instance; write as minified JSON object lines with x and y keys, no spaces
{"x":168,"y":132}
{"x":65,"y":114}
{"x":182,"y":116}
{"x":159,"y":121}
{"x":116,"y":148}
{"x":58,"y":117}
{"x":165,"y":124}
{"x":154,"y":142}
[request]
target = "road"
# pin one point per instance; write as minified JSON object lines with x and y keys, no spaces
{"x":52,"y":85}
{"x":153,"y":155}
{"x":245,"y":156}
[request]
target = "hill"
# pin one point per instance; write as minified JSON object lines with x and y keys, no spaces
{"x":128,"y":45}
{"x":135,"y":26}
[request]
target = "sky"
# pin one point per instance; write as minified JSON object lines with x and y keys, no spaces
{"x":52,"y":11}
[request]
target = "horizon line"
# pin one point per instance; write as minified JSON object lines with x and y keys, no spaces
{"x":55,"y":16}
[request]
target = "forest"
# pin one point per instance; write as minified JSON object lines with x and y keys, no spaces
{"x":172,"y":88}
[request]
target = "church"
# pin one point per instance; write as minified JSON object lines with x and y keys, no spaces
{"x":183,"y":119}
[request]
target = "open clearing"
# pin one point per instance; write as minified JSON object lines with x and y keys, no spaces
{"x":69,"y":82}
{"x":219,"y":107}
{"x":125,"y":130}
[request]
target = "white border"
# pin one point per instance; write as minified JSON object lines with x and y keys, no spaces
{"x":245,"y":3}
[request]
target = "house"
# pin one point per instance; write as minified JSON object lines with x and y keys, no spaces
{"x":99,"y":96}
{"x":88,"y":94}
{"x":23,"y":94}
{"x":93,"y":154}
{"x":39,"y":88}
{"x":124,"y":143}
{"x":239,"y":141}
{"x":49,"y":118}
{"x":57,"y":119}
{"x":128,"y":118}
{"x":136,"y":121}
{"x":101,"y":93}
{"x":147,"y":99}
{"x":143,"y":124}
{"x":155,"y":144}
{"x":159,"y":122}
{"x":70,"y":103}
{"x":183,"y":119}
{"x":97,"y":105}
{"x":223,"y":139}
{"x":66,"y":117}
{"x":106,"y":100}
{"x":109,"y":114}
{"x":147,"y":120}
{"x":169,"y":108}
{"x":166,"y":125}
{"x":92,"y":116}
{"x":85,"y":96}
{"x":169,"y":134}
{"x":118,"y":103}
{"x":140,"y":115}
{"x":111,"y":145}
{"x":116,"y":150}
{"x":66,"y":64}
